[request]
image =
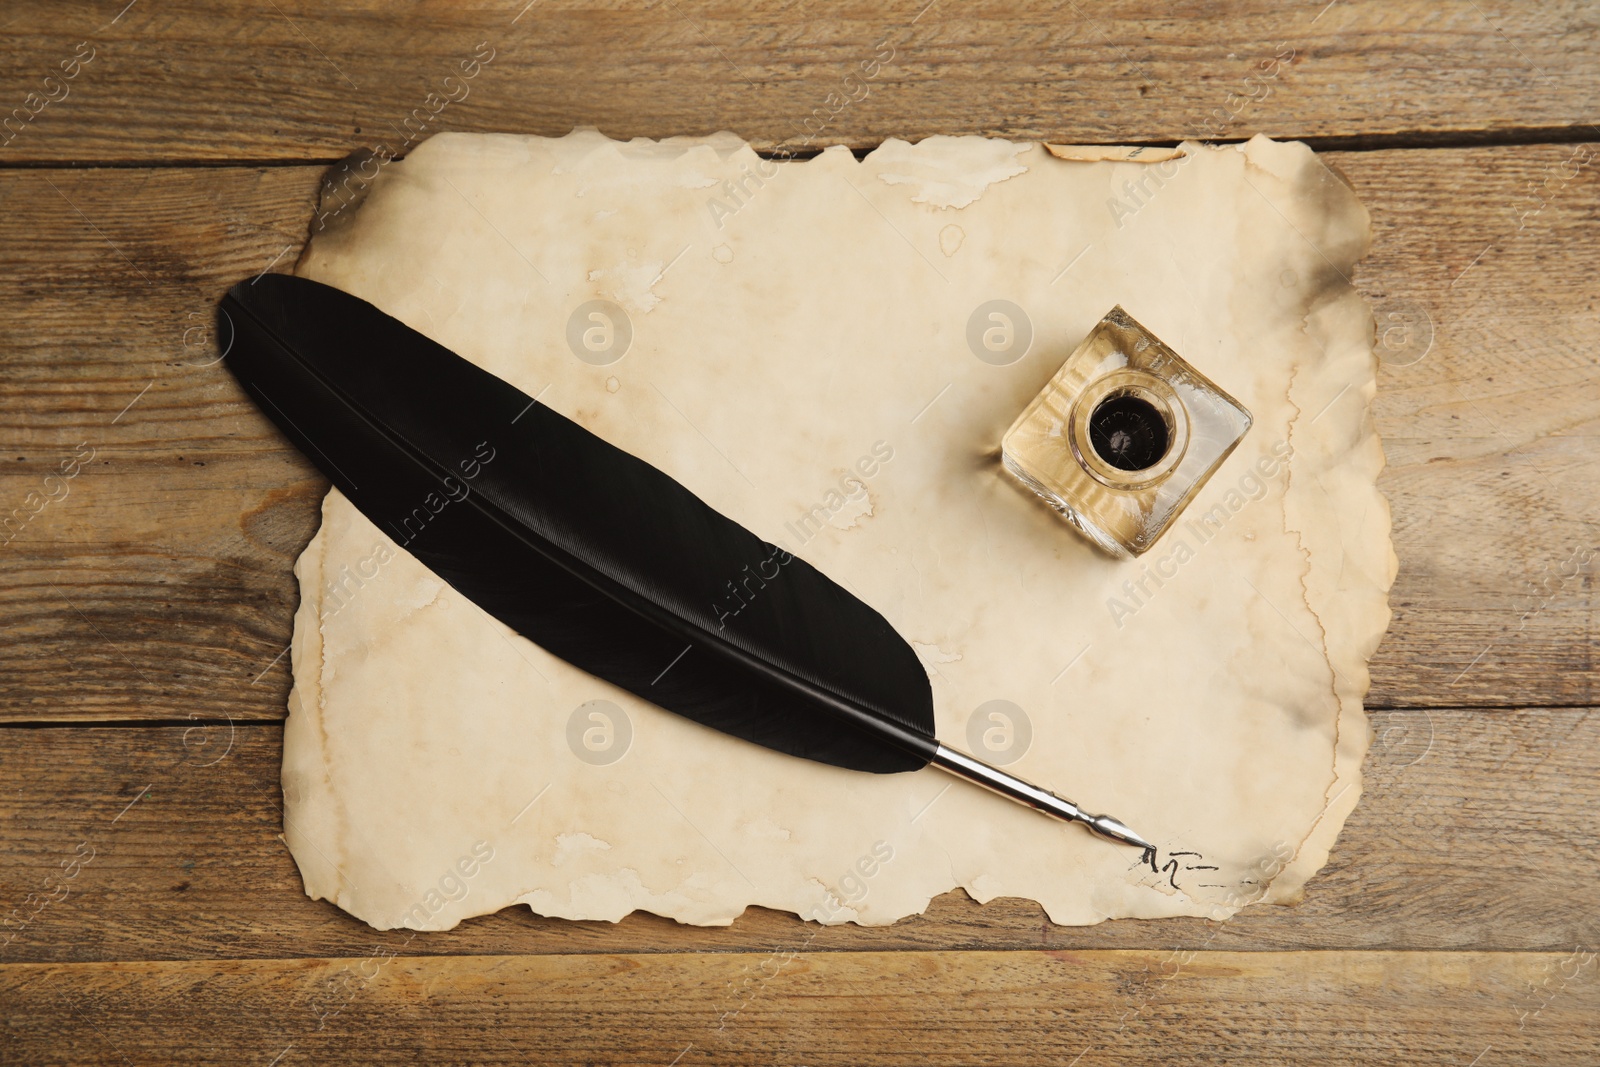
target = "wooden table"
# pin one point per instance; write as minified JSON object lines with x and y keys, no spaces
{"x":152,"y":912}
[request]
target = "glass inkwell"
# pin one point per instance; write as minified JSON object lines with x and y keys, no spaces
{"x":1124,"y":436}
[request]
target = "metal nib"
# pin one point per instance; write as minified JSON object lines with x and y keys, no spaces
{"x":1106,"y":826}
{"x":997,"y":781}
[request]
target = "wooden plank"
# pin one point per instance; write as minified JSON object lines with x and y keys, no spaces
{"x":1490,"y":433}
{"x":300,"y":81}
{"x":868,"y":1008}
{"x":157,"y":582}
{"x":159,"y":586}
{"x":1476,"y":831}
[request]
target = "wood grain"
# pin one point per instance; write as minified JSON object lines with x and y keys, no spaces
{"x":158,"y":583}
{"x":1475,"y":832}
{"x":1490,"y":433}
{"x":207,"y":80}
{"x":159,"y":587}
{"x":866,"y":1008}
{"x":1457,"y":919}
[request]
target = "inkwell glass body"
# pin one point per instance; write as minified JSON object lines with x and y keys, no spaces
{"x":1123,"y":436}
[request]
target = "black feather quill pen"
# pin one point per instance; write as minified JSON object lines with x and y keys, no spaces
{"x":586,"y":550}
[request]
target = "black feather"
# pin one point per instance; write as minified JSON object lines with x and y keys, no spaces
{"x":586,"y":550}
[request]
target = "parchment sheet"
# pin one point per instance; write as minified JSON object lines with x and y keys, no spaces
{"x":811,"y":347}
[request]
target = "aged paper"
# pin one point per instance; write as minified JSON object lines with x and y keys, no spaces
{"x":828,"y":351}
